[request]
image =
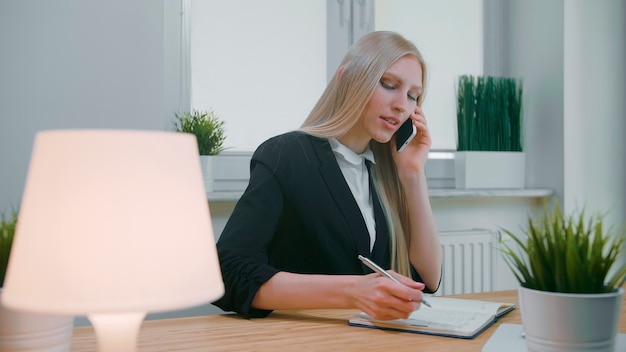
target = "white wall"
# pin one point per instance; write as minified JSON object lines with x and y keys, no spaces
{"x":261,"y":65}
{"x":77,"y":64}
{"x":533,"y":50}
{"x":571,"y":54}
{"x":595,"y":106}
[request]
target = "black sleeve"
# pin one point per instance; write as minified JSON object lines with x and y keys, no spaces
{"x":250,"y":228}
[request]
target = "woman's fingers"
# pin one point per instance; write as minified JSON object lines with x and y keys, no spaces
{"x":385,"y":299}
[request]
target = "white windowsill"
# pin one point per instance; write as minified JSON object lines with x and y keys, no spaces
{"x":491,"y":193}
{"x":434,"y":193}
{"x":439,"y":172}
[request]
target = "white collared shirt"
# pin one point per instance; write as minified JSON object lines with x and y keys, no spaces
{"x":354,"y":170}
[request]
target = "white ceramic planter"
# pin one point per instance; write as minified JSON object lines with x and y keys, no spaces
{"x":566,"y":322}
{"x":226,"y":172}
{"x":489,"y":170}
{"x":21,"y":331}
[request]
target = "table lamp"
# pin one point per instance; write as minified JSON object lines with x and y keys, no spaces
{"x":113,"y":224}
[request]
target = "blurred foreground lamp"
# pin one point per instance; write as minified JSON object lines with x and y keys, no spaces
{"x":113,"y":224}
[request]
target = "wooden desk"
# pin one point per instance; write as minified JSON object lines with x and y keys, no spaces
{"x":299,"y":331}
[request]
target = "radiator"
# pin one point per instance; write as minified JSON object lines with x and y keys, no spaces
{"x":469,"y":261}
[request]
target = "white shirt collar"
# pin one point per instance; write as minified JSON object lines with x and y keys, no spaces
{"x":349,"y":155}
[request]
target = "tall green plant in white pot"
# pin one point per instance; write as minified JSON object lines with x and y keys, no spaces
{"x":568,"y":267}
{"x":25,"y":331}
{"x":222,"y":171}
{"x":489,"y":133}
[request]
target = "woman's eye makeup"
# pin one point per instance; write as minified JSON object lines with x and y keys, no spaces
{"x":392,"y":86}
{"x":387,"y":85}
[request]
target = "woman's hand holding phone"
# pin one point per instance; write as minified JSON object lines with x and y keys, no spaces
{"x":415,"y":146}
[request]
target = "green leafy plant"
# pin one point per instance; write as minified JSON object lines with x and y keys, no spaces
{"x":489,"y":113}
{"x":206,"y":126}
{"x":566,"y":254}
{"x":7,"y":232}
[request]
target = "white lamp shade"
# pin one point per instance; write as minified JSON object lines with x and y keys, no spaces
{"x":113,"y":221}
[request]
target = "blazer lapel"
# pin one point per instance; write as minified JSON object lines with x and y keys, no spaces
{"x":342,"y":195}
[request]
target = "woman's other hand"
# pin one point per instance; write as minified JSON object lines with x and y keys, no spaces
{"x":414,"y":156}
{"x":384,"y":299}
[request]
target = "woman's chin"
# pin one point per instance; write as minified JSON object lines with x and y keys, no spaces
{"x":382,"y":138}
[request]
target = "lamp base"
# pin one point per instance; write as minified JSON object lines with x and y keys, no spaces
{"x":25,"y":331}
{"x":117,"y":331}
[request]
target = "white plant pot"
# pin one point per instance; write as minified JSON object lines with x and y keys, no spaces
{"x":567,"y":322}
{"x":489,"y":170}
{"x":22,"y":331}
{"x":226,"y":172}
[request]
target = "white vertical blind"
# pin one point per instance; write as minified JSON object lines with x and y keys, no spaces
{"x":261,"y":65}
{"x":449,"y":35}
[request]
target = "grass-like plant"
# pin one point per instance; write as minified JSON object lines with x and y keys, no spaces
{"x":7,"y":232}
{"x":206,"y":126}
{"x":566,"y":254}
{"x":489,"y":113}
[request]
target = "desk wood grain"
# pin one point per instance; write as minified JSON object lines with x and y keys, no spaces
{"x":299,"y":331}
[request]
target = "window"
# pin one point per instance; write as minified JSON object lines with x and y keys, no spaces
{"x":262,"y":65}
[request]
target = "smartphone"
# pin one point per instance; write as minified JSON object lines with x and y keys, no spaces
{"x":405,"y":134}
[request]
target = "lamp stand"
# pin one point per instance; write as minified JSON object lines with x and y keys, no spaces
{"x":117,"y":332}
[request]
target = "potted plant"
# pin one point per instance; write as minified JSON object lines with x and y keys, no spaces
{"x":25,"y":331}
{"x":206,"y":126}
{"x":570,"y":280}
{"x":489,"y":130}
{"x":7,"y":231}
{"x":222,"y":172}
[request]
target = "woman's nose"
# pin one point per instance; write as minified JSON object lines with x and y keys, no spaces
{"x":400,"y":103}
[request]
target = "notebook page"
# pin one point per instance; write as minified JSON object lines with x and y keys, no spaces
{"x":465,"y":305}
{"x":458,"y":321}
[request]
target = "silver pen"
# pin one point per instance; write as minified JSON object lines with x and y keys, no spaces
{"x":383,"y":272}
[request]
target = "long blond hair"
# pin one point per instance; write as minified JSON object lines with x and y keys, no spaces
{"x":339,"y":109}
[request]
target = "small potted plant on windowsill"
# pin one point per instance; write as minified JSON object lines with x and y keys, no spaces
{"x":222,"y":172}
{"x":206,"y":126}
{"x":570,"y":280}
{"x":489,"y":133}
{"x":7,"y":231}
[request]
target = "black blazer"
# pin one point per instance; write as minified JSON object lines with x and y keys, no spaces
{"x":296,"y":215}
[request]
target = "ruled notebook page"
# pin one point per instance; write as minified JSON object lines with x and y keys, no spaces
{"x":448,"y":316}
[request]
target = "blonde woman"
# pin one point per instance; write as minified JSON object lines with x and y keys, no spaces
{"x":311,"y":206}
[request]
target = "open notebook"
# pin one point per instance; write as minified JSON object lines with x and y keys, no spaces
{"x":453,"y":317}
